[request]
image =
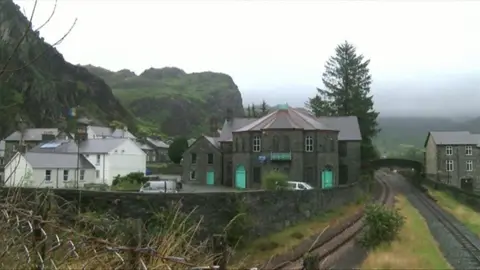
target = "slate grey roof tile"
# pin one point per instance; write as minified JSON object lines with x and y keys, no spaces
{"x":32,"y":134}
{"x":453,"y":138}
{"x":57,"y":161}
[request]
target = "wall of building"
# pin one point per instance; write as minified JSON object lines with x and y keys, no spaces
{"x":202,"y":147}
{"x":352,"y":160}
{"x":265,"y":212}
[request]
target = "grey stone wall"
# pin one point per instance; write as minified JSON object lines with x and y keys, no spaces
{"x":266,"y":211}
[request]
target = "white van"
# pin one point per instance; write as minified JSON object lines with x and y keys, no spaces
{"x":161,"y":186}
{"x":298,"y":185}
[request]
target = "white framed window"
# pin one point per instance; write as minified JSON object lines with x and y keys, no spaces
{"x":98,"y":160}
{"x":468,"y":150}
{"x":65,"y":175}
{"x":82,"y":175}
{"x":192,"y":175}
{"x":469,"y":167}
{"x":449,"y":150}
{"x":257,"y":144}
{"x":97,"y":174}
{"x":309,"y":144}
{"x":48,"y":175}
{"x":449,"y":165}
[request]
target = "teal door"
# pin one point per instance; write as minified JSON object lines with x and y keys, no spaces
{"x":327,"y":178}
{"x":240,"y":177}
{"x":210,"y":178}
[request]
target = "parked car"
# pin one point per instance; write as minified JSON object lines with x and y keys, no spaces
{"x":161,"y":186}
{"x":298,"y":185}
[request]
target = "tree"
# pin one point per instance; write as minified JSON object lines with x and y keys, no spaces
{"x":347,"y":83}
{"x":249,"y":111}
{"x":177,"y":148}
{"x":274,"y":181}
{"x":254,"y":111}
{"x":264,"y":108}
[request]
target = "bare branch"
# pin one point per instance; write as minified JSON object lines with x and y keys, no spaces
{"x":49,"y":18}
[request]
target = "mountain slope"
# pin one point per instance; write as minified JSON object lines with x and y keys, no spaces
{"x":40,"y":91}
{"x":178,"y":102}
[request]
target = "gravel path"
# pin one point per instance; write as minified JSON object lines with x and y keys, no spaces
{"x":453,"y":251}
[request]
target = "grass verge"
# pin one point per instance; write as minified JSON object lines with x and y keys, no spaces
{"x":415,"y":247}
{"x":469,"y":217}
{"x":261,"y":250}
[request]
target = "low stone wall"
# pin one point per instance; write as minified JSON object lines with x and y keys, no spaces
{"x":264,"y":212}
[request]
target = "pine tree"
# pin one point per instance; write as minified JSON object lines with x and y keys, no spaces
{"x":249,"y":111}
{"x":264,"y":108}
{"x":347,"y":83}
{"x":254,"y":111}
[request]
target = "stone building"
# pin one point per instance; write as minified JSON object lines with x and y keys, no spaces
{"x":323,"y":151}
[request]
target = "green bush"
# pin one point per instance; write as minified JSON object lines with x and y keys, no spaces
{"x":382,"y":225}
{"x":130,"y":181}
{"x":275,"y":180}
{"x":177,"y":148}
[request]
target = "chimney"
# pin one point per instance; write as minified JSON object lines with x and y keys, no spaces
{"x":229,"y":115}
{"x":214,"y":126}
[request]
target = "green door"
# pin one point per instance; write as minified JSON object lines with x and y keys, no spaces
{"x":327,"y":178}
{"x":211,"y":178}
{"x":240,"y":177}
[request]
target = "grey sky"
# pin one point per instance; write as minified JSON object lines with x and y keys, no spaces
{"x":277,"y":49}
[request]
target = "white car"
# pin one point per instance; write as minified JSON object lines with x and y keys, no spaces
{"x":298,"y":185}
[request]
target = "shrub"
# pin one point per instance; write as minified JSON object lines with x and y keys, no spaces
{"x":176,"y":149}
{"x":274,"y":181}
{"x":382,"y":225}
{"x":129,"y":181}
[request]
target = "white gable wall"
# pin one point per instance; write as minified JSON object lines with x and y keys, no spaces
{"x":57,"y":179}
{"x":125,"y":159}
{"x":18,"y":172}
{"x":100,"y":161}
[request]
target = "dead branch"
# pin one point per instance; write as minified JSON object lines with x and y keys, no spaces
{"x":24,"y":36}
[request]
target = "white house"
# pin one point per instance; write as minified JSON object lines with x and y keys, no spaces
{"x":53,"y":170}
{"x":109,"y":156}
{"x":96,"y":132}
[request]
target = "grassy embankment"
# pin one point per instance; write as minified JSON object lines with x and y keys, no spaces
{"x":415,"y":247}
{"x":469,"y":217}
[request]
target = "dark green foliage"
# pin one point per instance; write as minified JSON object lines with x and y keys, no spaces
{"x":177,"y":148}
{"x":347,"y":83}
{"x":239,"y":225}
{"x":131,"y":178}
{"x":382,"y":225}
{"x":254,"y":111}
{"x":275,"y":181}
{"x":264,"y":108}
{"x":311,"y":262}
{"x":249,"y":111}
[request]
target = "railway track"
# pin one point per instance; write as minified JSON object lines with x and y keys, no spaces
{"x":450,"y":225}
{"x":326,"y":249}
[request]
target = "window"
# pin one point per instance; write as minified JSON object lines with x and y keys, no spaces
{"x":192,"y":175}
{"x":286,"y":143}
{"x":257,"y":144}
{"x":244,"y":145}
{"x":448,"y":150}
{"x":309,"y":144}
{"x":468,"y":150}
{"x":275,"y":144}
{"x":193,"y":156}
{"x":98,"y":160}
{"x":469,"y":167}
{"x":97,"y":174}
{"x":236,"y":146}
{"x":257,"y":175}
{"x":65,"y":175}
{"x":210,"y":158}
{"x":331,"y":143}
{"x":449,"y":165}
{"x":48,"y":175}
{"x":82,"y":175}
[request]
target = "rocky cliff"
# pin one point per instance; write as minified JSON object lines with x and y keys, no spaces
{"x":178,"y":102}
{"x":39,"y":86}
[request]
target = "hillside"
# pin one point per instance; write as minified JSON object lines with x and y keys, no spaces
{"x":177,"y":102}
{"x":39,"y":86}
{"x":398,"y":131}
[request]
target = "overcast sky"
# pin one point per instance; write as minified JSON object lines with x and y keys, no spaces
{"x":277,"y":49}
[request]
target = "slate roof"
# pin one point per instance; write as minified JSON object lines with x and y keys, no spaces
{"x":57,"y":161}
{"x":143,"y":146}
{"x":158,"y":143}
{"x":213,"y":140}
{"x":90,"y":146}
{"x":109,"y":132}
{"x":286,"y":118}
{"x":32,"y":134}
{"x":230,"y":126}
{"x":454,"y":138}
